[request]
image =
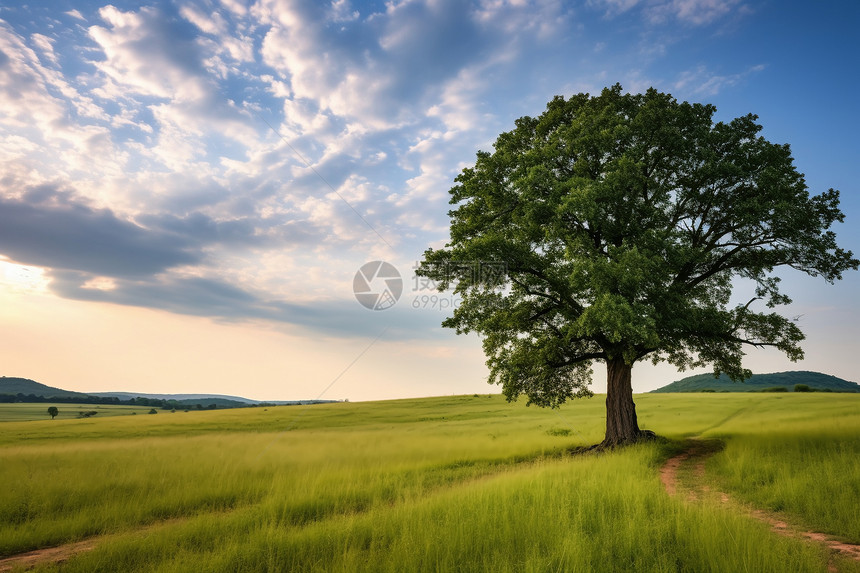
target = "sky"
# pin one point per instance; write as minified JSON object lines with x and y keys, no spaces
{"x":191,"y":190}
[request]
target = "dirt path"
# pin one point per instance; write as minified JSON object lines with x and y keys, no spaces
{"x":696,"y":450}
{"x":48,"y":555}
{"x":62,"y":553}
{"x":695,"y":455}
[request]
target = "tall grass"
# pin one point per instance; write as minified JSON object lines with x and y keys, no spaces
{"x":456,"y":483}
{"x":597,"y":513}
{"x":798,"y":456}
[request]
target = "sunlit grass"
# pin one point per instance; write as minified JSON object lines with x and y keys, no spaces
{"x":27,"y":412}
{"x":463,"y":483}
{"x":549,"y":515}
{"x":799,"y":456}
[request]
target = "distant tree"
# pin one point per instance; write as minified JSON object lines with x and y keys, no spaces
{"x":153,"y":411}
{"x":616,"y":225}
{"x":53,"y":411}
{"x":802,"y":388}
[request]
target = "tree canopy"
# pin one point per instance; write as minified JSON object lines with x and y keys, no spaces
{"x":621,"y":223}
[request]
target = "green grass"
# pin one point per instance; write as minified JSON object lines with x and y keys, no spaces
{"x":28,"y":412}
{"x":455,"y":483}
{"x":798,"y":456}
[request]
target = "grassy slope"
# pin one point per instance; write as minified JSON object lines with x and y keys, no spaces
{"x":457,"y":483}
{"x":798,"y":455}
{"x":29,"y":412}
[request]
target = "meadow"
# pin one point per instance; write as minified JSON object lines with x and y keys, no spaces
{"x":27,"y":412}
{"x":462,"y":483}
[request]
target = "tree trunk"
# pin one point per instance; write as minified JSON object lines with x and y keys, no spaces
{"x":621,"y":424}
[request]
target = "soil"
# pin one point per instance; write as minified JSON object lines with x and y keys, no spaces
{"x":47,"y":555}
{"x":62,"y":553}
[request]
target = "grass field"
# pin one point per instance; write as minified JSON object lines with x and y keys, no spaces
{"x":464,"y":483}
{"x":28,"y":412}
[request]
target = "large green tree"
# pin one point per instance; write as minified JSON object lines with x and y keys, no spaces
{"x":613,"y":228}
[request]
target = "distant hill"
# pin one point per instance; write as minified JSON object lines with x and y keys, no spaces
{"x":11,"y":387}
{"x":759,"y":382}
{"x":222,"y":400}
{"x":127,"y":395}
{"x":183,"y":399}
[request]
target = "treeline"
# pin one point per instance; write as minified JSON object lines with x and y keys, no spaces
{"x":797,"y":388}
{"x":112,"y":400}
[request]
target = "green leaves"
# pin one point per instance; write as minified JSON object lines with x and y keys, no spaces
{"x":620,"y":221}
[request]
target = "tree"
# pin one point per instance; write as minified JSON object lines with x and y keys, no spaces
{"x":53,"y":411}
{"x":614,"y":228}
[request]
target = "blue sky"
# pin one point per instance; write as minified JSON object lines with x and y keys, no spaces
{"x":189,"y":187}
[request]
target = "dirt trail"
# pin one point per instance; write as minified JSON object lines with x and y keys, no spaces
{"x":48,"y":555}
{"x":697,"y":453}
{"x":62,"y":553}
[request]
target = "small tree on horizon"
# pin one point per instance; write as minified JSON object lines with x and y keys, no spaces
{"x":616,"y":225}
{"x":53,"y":411}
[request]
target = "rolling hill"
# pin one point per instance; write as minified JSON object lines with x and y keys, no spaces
{"x":185,"y":399}
{"x":14,"y":386}
{"x":707,"y":383}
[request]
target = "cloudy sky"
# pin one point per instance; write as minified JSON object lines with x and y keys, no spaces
{"x":189,"y":187}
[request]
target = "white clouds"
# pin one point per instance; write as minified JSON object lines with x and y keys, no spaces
{"x":165,"y":120}
{"x":613,"y":7}
{"x":176,"y":194}
{"x":385,"y":70}
{"x":45,"y":46}
{"x":342,"y":11}
{"x":701,"y":12}
{"x":695,"y":12}
{"x":145,"y":56}
{"x":702,"y":82}
{"x":543,"y":19}
{"x":39,"y":105}
{"x":238,"y":7}
{"x":76,"y":14}
{"x":319,"y":65}
{"x":459,"y":106}
{"x":228,"y":41}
